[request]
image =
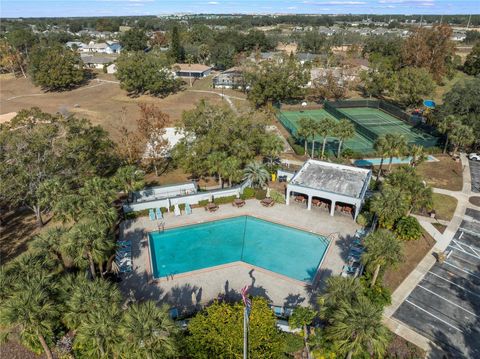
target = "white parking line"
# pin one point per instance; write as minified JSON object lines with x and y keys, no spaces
{"x":449,"y":301}
{"x":461,"y":250}
{"x":463,"y":270}
{"x":433,"y":315}
{"x":463,"y":259}
{"x":455,"y":284}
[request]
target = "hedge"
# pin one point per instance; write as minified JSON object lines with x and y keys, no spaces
{"x":248,"y":193}
{"x":223,"y":200}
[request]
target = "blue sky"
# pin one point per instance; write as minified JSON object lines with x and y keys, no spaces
{"x":53,"y":8}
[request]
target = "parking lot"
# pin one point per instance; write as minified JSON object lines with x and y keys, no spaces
{"x":475,"y":172}
{"x":445,"y":305}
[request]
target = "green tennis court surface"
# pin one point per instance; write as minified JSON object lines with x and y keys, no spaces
{"x":377,"y":121}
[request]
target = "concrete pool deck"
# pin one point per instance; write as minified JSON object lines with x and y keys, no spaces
{"x":190,"y":291}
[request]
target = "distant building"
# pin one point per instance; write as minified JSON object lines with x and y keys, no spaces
{"x":191,"y":70}
{"x":266,"y":56}
{"x":112,"y":69}
{"x":109,"y":47}
{"x":96,"y":62}
{"x":231,"y":79}
{"x":459,"y":36}
{"x":304,"y":57}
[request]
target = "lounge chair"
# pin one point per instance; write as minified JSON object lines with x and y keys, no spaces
{"x":267,"y":202}
{"x":188,"y":209}
{"x":159,"y":214}
{"x":151,"y":214}
{"x":176,"y":210}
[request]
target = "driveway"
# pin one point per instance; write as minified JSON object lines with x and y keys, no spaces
{"x":445,"y":305}
{"x":475,"y":173}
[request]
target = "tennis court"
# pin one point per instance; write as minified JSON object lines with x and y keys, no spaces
{"x":290,"y":120}
{"x":370,"y":123}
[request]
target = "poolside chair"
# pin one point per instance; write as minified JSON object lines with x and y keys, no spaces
{"x":159,"y":214}
{"x":188,"y":209}
{"x":151,"y":214}
{"x":267,"y":202}
{"x":176,"y":210}
{"x":278,"y":311}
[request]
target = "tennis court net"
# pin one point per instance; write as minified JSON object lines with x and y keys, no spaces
{"x":360,"y":128}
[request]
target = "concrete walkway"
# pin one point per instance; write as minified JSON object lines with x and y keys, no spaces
{"x":442,"y":242}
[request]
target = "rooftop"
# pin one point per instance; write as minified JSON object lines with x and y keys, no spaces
{"x":191,"y":67}
{"x":332,"y":177}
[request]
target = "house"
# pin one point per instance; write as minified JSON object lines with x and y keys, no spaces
{"x":109,"y":47}
{"x":304,"y":57}
{"x":191,"y":70}
{"x":112,"y":69}
{"x":266,"y":56}
{"x":96,"y":62}
{"x":229,"y":79}
{"x":76,"y":45}
{"x":459,"y":36}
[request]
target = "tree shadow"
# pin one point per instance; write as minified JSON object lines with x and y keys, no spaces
{"x":344,"y":243}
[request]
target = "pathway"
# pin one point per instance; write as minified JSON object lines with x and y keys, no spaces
{"x":442,"y":242}
{"x":226,"y":97}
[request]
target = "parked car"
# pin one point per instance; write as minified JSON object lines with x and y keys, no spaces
{"x":474,"y":156}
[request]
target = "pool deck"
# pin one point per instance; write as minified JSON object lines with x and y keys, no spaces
{"x":190,"y":291}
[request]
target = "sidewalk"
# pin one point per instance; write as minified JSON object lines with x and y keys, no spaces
{"x":442,"y":242}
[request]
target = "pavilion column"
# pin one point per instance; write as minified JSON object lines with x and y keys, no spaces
{"x":287,"y":197}
{"x":357,"y":210}
{"x":309,"y":203}
{"x":332,"y":208}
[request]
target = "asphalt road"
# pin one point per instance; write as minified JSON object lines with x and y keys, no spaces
{"x":475,"y":172}
{"x":445,"y":305}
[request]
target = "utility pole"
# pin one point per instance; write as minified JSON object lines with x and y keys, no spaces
{"x":469,"y":18}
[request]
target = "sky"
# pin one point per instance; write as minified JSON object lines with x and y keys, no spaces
{"x":61,"y":8}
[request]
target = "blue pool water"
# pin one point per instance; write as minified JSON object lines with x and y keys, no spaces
{"x":396,"y":161}
{"x":281,"y":249}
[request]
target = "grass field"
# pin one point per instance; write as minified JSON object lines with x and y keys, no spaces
{"x":444,"y":206}
{"x":446,"y":173}
{"x":103,"y":102}
{"x":376,"y":120}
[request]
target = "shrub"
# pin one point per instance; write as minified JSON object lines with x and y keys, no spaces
{"x":378,"y":294}
{"x":137,"y":214}
{"x":223,"y":200}
{"x":292,"y":342}
{"x":164,"y":209}
{"x":299,"y":150}
{"x":277,"y":196}
{"x":203,"y":203}
{"x":182,"y":207}
{"x":248,"y":193}
{"x":408,"y":229}
{"x":260,"y":194}
{"x":364,"y":219}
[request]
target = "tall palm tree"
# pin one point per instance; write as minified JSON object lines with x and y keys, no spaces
{"x":343,"y":130}
{"x":325,"y":128}
{"x":418,"y":155}
{"x":446,"y":125}
{"x":338,"y":289}
{"x":389,"y":204}
{"x":98,"y":333}
{"x":89,"y":242}
{"x":257,"y":174}
{"x":82,"y":296}
{"x":382,"y":249}
{"x":307,"y":130}
{"x":31,"y":309}
{"x":129,"y":179}
{"x":381,"y":148}
{"x":230,"y":169}
{"x":397,"y":146}
{"x":147,"y":332}
{"x":301,"y":318}
{"x":271,"y":148}
{"x":303,"y":133}
{"x":215,"y":162}
{"x":460,"y":136}
{"x":50,"y":243}
{"x":357,"y":329}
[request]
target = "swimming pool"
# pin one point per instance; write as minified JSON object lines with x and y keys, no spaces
{"x":288,"y":251}
{"x":396,"y":161}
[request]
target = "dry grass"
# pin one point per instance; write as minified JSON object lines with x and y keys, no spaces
{"x":444,"y":206}
{"x":14,"y":350}
{"x":102,"y":103}
{"x":414,"y":252}
{"x":439,"y":227}
{"x":445,"y":174}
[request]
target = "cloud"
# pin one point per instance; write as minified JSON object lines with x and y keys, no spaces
{"x":213,"y":3}
{"x":316,"y":3}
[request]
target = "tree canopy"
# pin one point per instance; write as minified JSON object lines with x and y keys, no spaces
{"x":134,"y":40}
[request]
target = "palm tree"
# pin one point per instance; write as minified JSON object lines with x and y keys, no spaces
{"x":303,"y":133}
{"x":256,"y":173}
{"x":397,"y":146}
{"x":418,"y":155}
{"x":307,"y":129}
{"x":338,"y":289}
{"x":147,"y":332}
{"x":31,"y":309}
{"x":389,"y":204}
{"x":215,"y":163}
{"x":446,"y":126}
{"x":98,"y":332}
{"x":325,"y":128}
{"x":89,"y":242}
{"x":381,"y":148}
{"x":129,"y":179}
{"x":356,"y":329}
{"x":301,"y":318}
{"x":230,"y":169}
{"x":271,"y":148}
{"x":343,"y":130}
{"x":460,"y":136}
{"x":50,"y":244}
{"x":82,"y":296}
{"x":382,"y":249}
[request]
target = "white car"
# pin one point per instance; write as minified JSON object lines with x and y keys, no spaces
{"x":474,"y":156}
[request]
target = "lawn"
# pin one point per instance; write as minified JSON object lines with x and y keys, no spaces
{"x":414,"y":252}
{"x":440,"y":91}
{"x":446,"y":173}
{"x":444,"y":206}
